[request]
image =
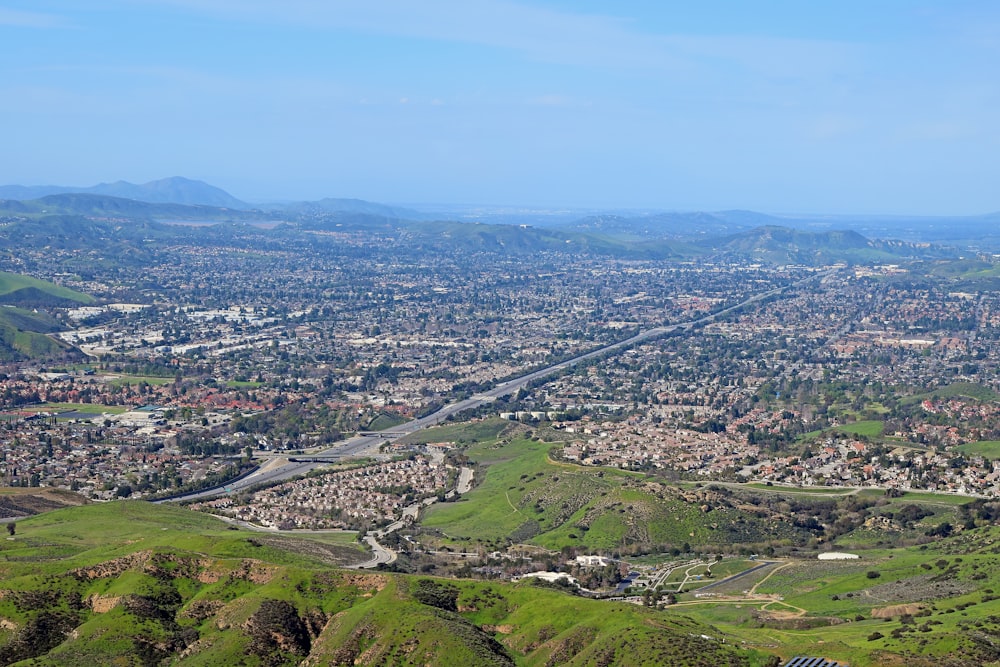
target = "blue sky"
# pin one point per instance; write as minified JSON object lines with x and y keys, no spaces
{"x":836,"y":106}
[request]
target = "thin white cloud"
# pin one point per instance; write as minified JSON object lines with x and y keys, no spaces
{"x":540,"y":33}
{"x":19,"y":19}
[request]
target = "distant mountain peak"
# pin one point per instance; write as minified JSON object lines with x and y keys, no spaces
{"x":171,"y":190}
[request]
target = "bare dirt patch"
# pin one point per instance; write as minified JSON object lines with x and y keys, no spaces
{"x":17,"y":502}
{"x":331,"y":554}
{"x":916,"y":589}
{"x":790,"y":621}
{"x":896,"y":610}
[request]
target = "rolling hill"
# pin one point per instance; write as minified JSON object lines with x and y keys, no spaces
{"x":22,"y":336}
{"x":726,"y":236}
{"x":21,"y":290}
{"x":133,"y":583}
{"x":22,"y":331}
{"x":783,"y":245}
{"x":106,"y":206}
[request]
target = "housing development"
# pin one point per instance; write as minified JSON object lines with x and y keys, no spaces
{"x":220,"y":363}
{"x":674,"y":427}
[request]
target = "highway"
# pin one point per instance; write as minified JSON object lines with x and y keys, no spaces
{"x":367,"y":442}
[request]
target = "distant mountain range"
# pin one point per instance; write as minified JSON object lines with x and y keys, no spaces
{"x":748,"y":235}
{"x":333,"y":205}
{"x":175,"y":190}
{"x":981,"y":231}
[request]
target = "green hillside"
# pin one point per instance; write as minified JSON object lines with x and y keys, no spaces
{"x":775,"y":244}
{"x":22,"y":335}
{"x":525,"y":496}
{"x":89,"y":204}
{"x":134,"y":583}
{"x":131,"y":583}
{"x":16,"y":344}
{"x":22,"y":331}
{"x":27,"y":291}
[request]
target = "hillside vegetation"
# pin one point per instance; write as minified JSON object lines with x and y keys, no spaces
{"x":133,"y":583}
{"x":23,"y":331}
{"x":527,"y":497}
{"x":26,"y":291}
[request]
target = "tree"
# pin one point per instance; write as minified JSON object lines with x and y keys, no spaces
{"x":11,"y":528}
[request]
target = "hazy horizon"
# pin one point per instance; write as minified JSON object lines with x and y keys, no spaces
{"x":852,"y":108}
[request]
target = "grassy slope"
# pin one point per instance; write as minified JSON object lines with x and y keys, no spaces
{"x":118,"y":583}
{"x":14,"y":342}
{"x":11,"y":283}
{"x":186,"y":579}
{"x":21,"y":330}
{"x":526,"y":497}
{"x":962,"y":389}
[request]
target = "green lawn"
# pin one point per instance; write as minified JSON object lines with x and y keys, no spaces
{"x":928,"y":497}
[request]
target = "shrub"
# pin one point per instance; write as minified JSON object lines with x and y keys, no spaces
{"x":440,"y":595}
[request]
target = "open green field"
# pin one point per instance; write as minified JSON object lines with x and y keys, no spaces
{"x":869,"y":428}
{"x":90,"y":532}
{"x":920,"y":497}
{"x":961,"y":389}
{"x":85,"y":408}
{"x":123,"y":380}
{"x":243,"y":384}
{"x":989,"y":449}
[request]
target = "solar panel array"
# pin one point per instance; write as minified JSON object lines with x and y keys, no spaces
{"x":802,"y":661}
